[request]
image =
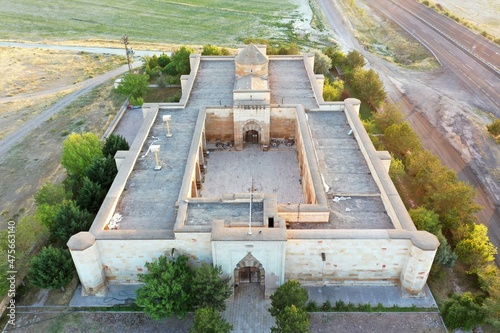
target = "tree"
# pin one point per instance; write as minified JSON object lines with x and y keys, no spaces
{"x":288,"y":49}
{"x":424,"y":167}
{"x":445,"y":255}
{"x":52,"y":268}
{"x":369,"y":86}
{"x":476,"y":249}
{"x":426,"y":219}
{"x":113,"y":143}
{"x":322,"y":63}
{"x":401,"y":140}
{"x":69,"y":220}
{"x":51,"y":194}
{"x":389,"y":114}
{"x":453,"y":200}
{"x":48,"y":200}
{"x":209,"y":49}
{"x":208,"y":320}
{"x":397,"y":168}
{"x":167,"y":288}
{"x":79,"y":151}
{"x":335,"y":54}
{"x":209,"y":289}
{"x":292,"y":319}
{"x":180,"y":60}
{"x":354,"y":60}
{"x":163,"y":60}
{"x":289,"y":293}
{"x":134,"y":85}
{"x":102,"y":171}
{"x":91,"y":196}
{"x":463,"y":311}
{"x":333,"y":90}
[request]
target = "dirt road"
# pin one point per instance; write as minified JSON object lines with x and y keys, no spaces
{"x":83,"y":88}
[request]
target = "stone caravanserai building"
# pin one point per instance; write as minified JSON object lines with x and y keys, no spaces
{"x":299,"y":193}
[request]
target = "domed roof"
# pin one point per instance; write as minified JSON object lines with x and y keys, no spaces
{"x":251,"y":55}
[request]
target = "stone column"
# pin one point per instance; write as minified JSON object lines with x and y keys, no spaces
{"x":418,"y":265}
{"x":88,"y":264}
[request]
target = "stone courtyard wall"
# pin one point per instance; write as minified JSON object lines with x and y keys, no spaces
{"x":283,"y":122}
{"x":219,"y":125}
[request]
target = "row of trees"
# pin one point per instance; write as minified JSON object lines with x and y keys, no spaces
{"x":443,"y":205}
{"x":365,"y":82}
{"x":70,"y":207}
{"x":161,"y":69}
{"x":438,"y":201}
{"x":172,"y":287}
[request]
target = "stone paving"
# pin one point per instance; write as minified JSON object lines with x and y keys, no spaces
{"x":273,"y":171}
{"x":247,"y":310}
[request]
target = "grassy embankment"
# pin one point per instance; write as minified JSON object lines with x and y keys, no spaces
{"x":194,"y":22}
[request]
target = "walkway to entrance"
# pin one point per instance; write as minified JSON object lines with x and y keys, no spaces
{"x":248,"y":311}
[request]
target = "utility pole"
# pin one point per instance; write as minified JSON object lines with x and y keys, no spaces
{"x":127,"y":52}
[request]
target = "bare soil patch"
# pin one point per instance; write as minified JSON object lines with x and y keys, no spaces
{"x":388,"y":322}
{"x":69,"y":322}
{"x":36,"y":158}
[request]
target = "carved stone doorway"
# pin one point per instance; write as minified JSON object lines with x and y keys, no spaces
{"x":249,"y":270}
{"x":252,"y":136}
{"x":249,"y":275}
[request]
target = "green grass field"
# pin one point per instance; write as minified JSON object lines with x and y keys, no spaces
{"x":221,"y":22}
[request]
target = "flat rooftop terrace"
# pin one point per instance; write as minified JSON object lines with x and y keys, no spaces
{"x":353,"y":196}
{"x":290,"y":84}
{"x":148,"y":201}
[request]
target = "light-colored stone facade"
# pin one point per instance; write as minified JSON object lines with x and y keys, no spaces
{"x":351,"y":228}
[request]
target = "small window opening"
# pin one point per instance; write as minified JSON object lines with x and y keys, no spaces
{"x":323,"y":256}
{"x":270,"y":223}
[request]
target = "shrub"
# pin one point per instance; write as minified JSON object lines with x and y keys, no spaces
{"x":311,"y":306}
{"x":289,"y":293}
{"x":209,"y":289}
{"x":69,"y":220}
{"x":113,"y":143}
{"x":136,"y":101}
{"x":292,"y":319}
{"x":52,"y":268}
{"x":208,"y":320}
{"x":494,"y":127}
{"x":463,"y":311}
{"x":167,"y":288}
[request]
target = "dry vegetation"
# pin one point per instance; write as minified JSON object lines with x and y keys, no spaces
{"x":36,"y":158}
{"x":386,"y":39}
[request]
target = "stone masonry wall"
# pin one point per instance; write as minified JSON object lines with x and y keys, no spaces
{"x":283,"y":123}
{"x":219,"y":125}
{"x":124,"y":259}
{"x":346,"y":260}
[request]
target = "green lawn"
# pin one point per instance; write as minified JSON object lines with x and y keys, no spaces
{"x":221,"y":22}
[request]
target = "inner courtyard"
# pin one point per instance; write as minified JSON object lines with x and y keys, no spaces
{"x":274,"y":171}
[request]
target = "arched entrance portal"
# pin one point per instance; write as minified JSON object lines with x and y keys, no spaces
{"x":249,"y":270}
{"x":252,"y":136}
